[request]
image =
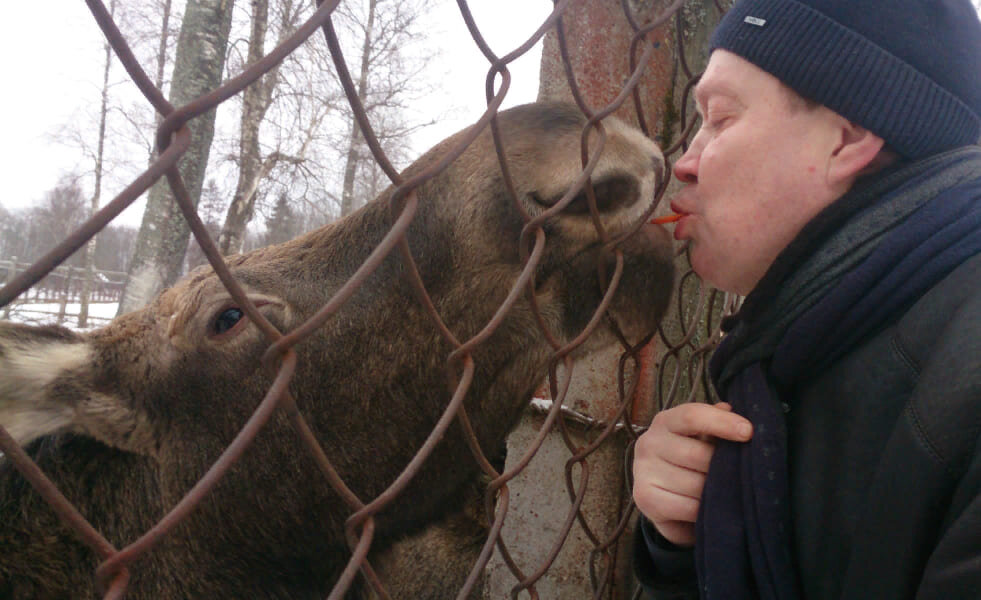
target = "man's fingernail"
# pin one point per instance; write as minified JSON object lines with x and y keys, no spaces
{"x":745,"y":430}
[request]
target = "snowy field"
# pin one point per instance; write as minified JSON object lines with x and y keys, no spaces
{"x":46,"y":313}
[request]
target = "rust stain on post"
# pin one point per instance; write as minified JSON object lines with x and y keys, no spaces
{"x":598,"y":36}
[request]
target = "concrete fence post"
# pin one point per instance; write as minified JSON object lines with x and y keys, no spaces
{"x":598,"y":37}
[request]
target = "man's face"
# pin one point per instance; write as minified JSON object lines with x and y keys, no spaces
{"x":757,"y":172}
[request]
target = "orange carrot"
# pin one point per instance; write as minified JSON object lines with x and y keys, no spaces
{"x":666,"y":219}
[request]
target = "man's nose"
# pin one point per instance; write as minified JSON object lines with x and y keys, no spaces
{"x":686,"y":167}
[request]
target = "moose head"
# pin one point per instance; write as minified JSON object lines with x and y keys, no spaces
{"x":125,"y":419}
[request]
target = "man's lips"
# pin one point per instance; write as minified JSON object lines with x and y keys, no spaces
{"x":676,"y":218}
{"x":679,"y":216}
{"x":679,"y":231}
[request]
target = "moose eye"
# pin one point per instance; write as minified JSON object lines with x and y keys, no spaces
{"x":226,"y":320}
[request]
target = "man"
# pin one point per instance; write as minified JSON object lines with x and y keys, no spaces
{"x":836,"y":182}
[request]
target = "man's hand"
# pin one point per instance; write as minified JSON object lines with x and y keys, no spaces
{"x":671,"y":460}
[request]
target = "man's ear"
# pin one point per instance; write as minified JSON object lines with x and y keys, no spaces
{"x":859,"y":152}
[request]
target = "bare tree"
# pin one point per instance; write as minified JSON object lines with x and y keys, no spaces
{"x":301,"y":130}
{"x":27,"y":233}
{"x":151,"y":34}
{"x":61,"y":211}
{"x":10,"y":231}
{"x":210,"y":209}
{"x":114,"y":246}
{"x":388,"y":78}
{"x":356,"y":139}
{"x":87,"y":281}
{"x":162,"y":50}
{"x":256,"y":100}
{"x":103,"y":166}
{"x":293,"y":102}
{"x":199,"y":65}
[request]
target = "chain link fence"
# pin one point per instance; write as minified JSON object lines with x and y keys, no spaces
{"x":668,"y":370}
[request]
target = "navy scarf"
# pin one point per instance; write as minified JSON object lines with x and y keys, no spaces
{"x":850,"y":273}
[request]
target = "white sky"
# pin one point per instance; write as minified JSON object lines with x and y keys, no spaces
{"x":51,"y":58}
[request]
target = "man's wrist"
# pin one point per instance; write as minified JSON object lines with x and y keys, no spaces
{"x":671,"y":563}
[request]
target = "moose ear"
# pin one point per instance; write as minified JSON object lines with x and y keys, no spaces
{"x":36,"y":365}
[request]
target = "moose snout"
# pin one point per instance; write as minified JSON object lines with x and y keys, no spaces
{"x":612,"y":194}
{"x":647,"y":281}
{"x":650,"y":240}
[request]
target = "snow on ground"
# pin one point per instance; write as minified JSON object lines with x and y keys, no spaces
{"x":46,"y":313}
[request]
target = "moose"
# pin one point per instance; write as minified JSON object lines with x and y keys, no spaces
{"x":127,"y":418}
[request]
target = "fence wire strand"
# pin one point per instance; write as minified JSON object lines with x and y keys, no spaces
{"x":681,"y":367}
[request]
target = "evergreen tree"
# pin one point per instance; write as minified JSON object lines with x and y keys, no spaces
{"x":283,"y":224}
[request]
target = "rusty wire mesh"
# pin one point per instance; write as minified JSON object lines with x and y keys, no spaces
{"x":678,"y":370}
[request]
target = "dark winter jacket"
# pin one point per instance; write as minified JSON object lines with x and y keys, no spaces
{"x":885,"y":472}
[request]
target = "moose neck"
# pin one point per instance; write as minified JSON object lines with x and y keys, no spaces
{"x":334,"y":252}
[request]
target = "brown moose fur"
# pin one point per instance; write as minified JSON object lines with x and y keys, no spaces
{"x":125,"y":419}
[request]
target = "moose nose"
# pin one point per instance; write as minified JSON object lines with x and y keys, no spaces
{"x":611,"y":193}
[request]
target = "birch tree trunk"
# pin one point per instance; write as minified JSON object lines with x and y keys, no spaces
{"x":161,"y":61}
{"x":355,"y":139}
{"x":256,"y":100}
{"x":162,"y":241}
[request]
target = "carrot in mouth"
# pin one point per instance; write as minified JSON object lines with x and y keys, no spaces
{"x":666,"y":219}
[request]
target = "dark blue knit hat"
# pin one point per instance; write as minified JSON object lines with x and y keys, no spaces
{"x":907,"y":70}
